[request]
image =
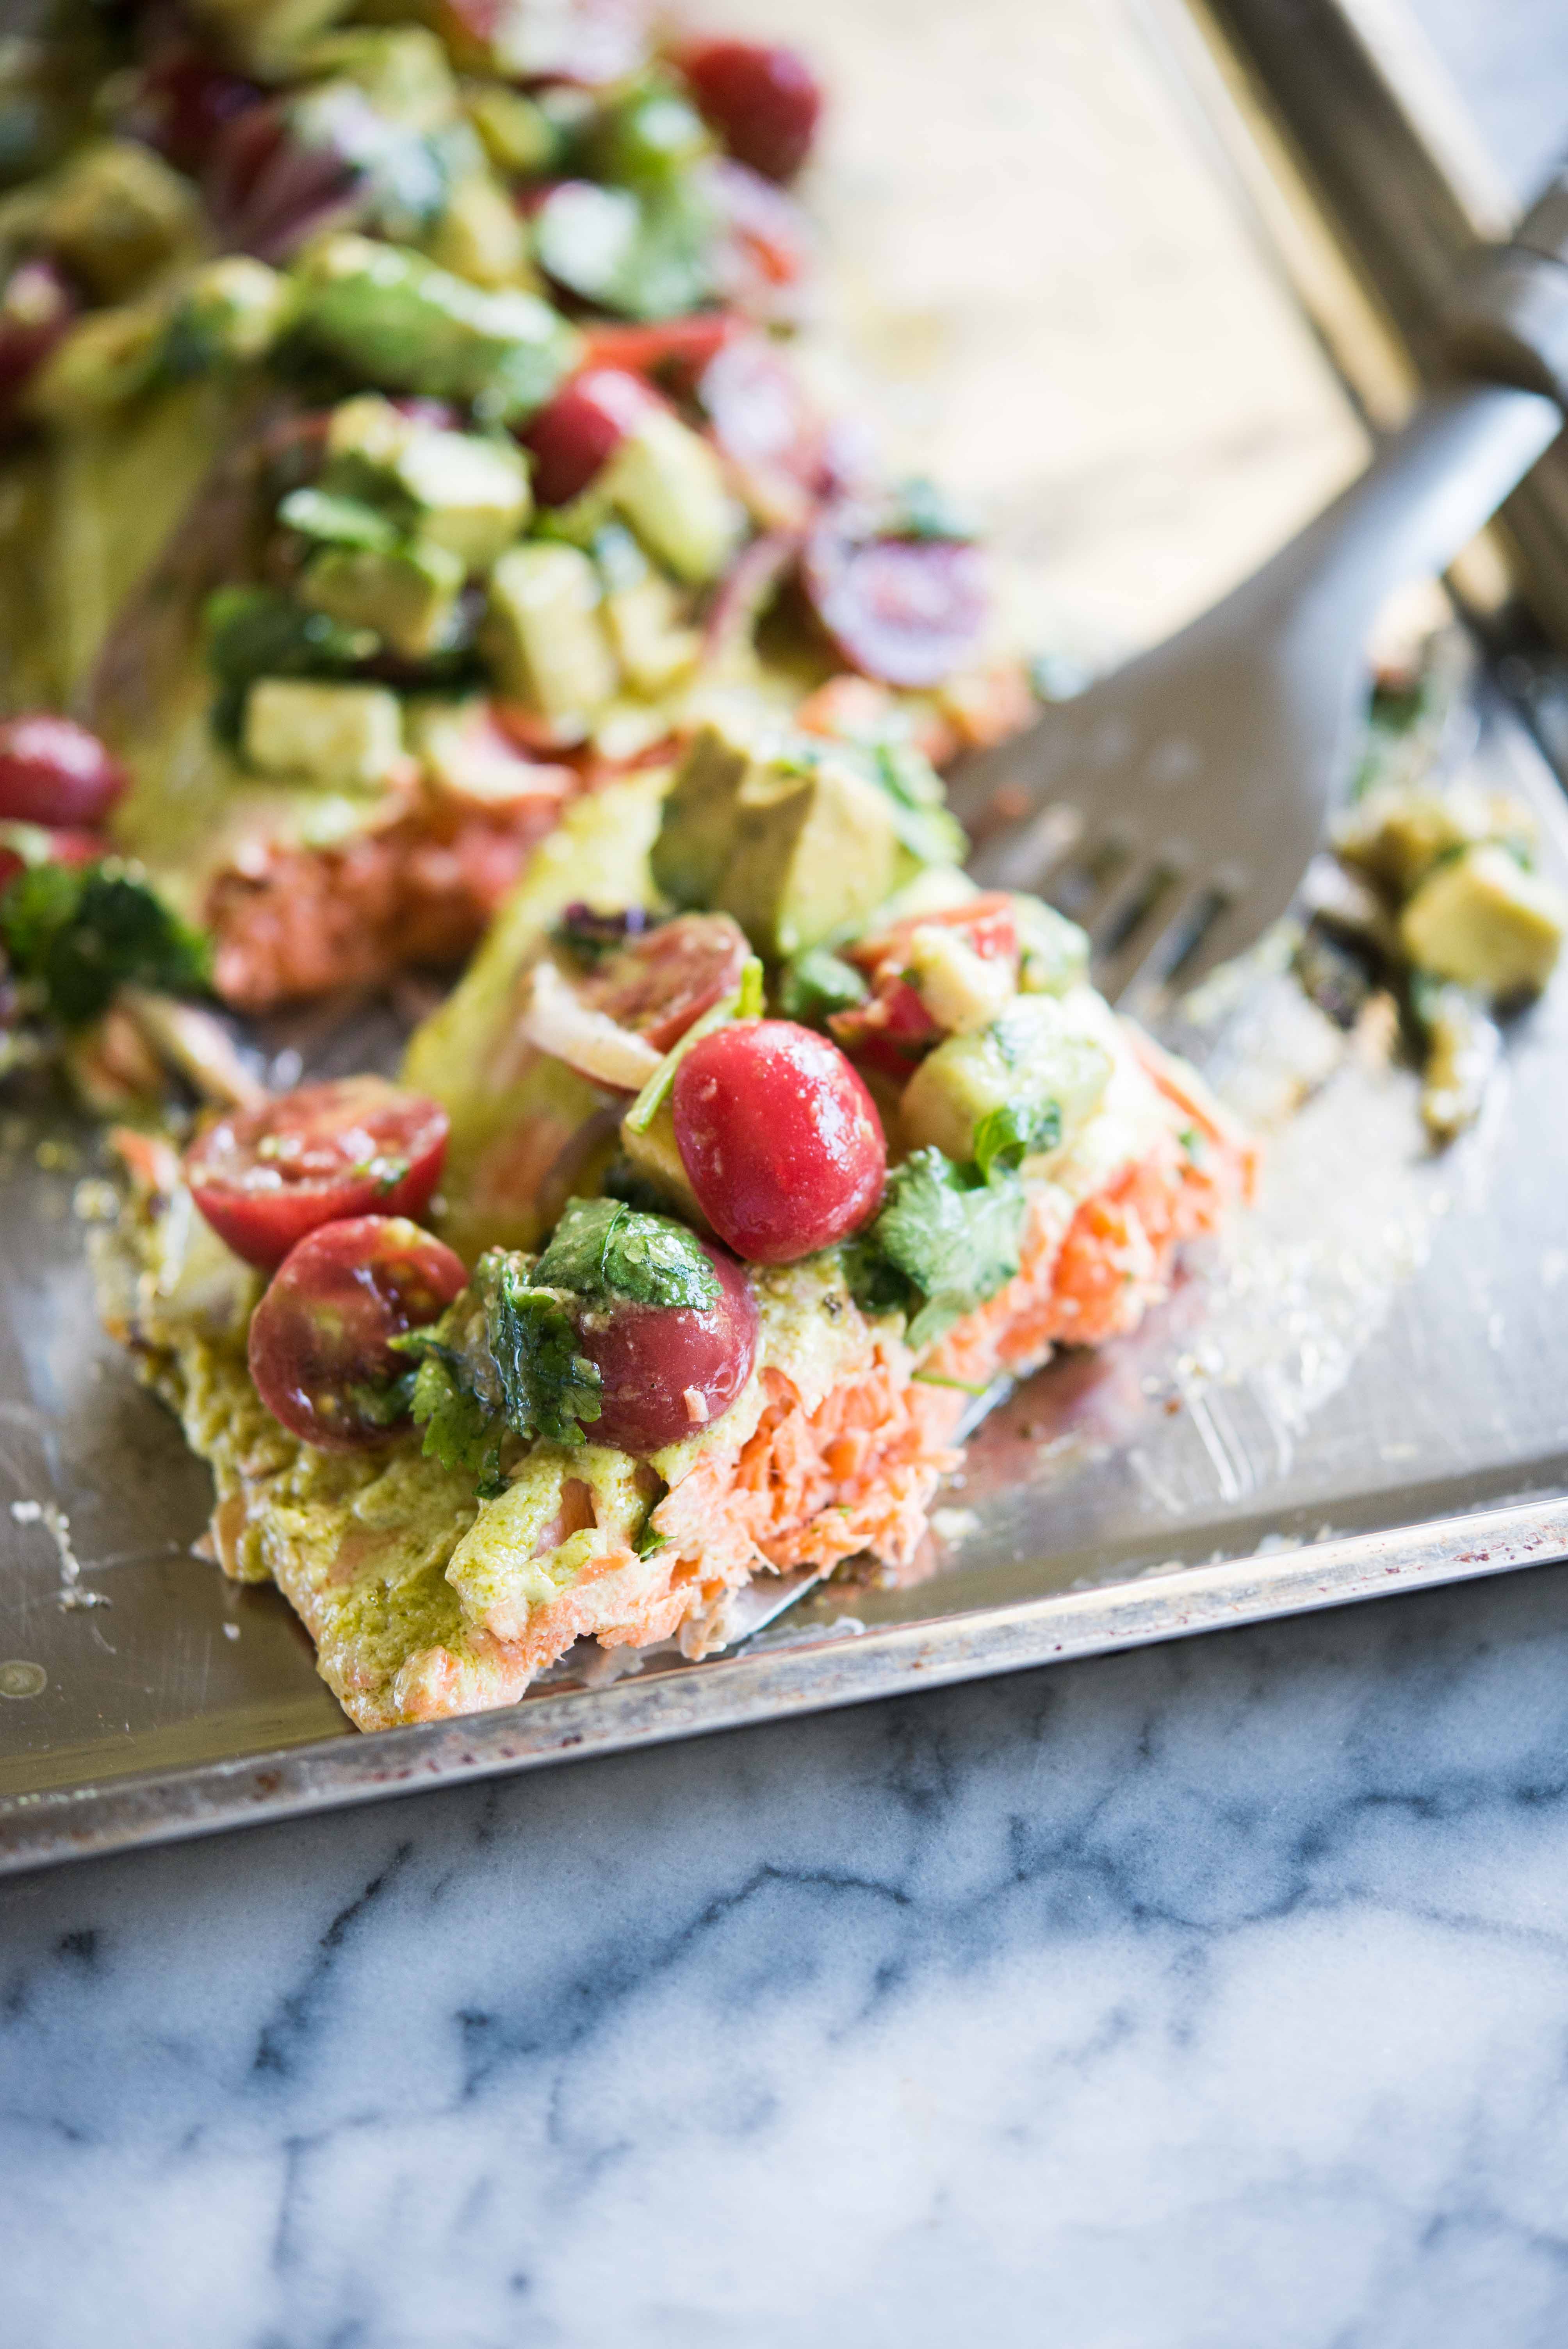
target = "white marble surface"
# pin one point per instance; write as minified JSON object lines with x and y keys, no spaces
{"x":1215,"y":1998}
{"x":1208,"y":1997}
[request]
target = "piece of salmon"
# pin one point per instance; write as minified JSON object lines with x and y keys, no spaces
{"x":424,"y":1604}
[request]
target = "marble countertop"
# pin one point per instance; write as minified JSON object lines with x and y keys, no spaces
{"x":1208,"y":1997}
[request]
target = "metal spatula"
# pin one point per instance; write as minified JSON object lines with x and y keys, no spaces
{"x":1174,"y":806}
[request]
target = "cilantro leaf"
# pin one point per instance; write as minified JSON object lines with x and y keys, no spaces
{"x":1016,"y":1131}
{"x":83,"y":930}
{"x":547,"y":1386}
{"x":454,"y":1395}
{"x":948,"y":1234}
{"x":601,"y":1247}
{"x":337,"y":520}
{"x":254,"y":632}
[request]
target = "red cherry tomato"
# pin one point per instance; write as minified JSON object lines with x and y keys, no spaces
{"x":987,"y":923}
{"x":318,"y":1348}
{"x":54,"y":772}
{"x":678,"y":346}
{"x":763,"y":102}
{"x":660,"y":983}
{"x":669,"y":1372}
{"x":779,"y":1138}
{"x":264,"y":1177}
{"x":909,"y":611}
{"x":581,"y":429}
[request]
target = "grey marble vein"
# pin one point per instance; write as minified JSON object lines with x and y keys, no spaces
{"x":1213,"y":1997}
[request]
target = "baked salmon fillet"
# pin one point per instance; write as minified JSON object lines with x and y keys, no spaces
{"x":625,"y":1485}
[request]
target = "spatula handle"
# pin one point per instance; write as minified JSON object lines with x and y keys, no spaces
{"x":1509,"y":320}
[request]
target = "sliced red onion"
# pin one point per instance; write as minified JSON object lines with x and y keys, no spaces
{"x":909,"y":611}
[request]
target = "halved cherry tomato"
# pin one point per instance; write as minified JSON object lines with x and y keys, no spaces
{"x":763,"y":100}
{"x":681,"y":346}
{"x":894,"y":1026}
{"x":907,"y":610}
{"x":319,"y":1354}
{"x":669,"y":1372}
{"x":265,"y":1178}
{"x":581,"y":429}
{"x":988,"y":923}
{"x":779,"y":1138}
{"x":662,"y":982}
{"x":54,"y":772}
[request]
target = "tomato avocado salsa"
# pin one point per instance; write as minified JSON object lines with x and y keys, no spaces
{"x":704,"y":1291}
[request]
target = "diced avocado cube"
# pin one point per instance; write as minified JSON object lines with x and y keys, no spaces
{"x":232,"y":310}
{"x":656,"y":1155}
{"x":116,"y":213}
{"x":368,"y":432}
{"x":470,"y":494}
{"x":545,"y":638}
{"x":1034,"y":1070}
{"x":668,"y":485}
{"x":409,"y":594}
{"x":104,"y":360}
{"x":963,"y":991}
{"x":391,"y":315}
{"x":518,"y":136}
{"x":1399,"y":831}
{"x":698,"y":828}
{"x":479,"y":235}
{"x":402,"y":70}
{"x":814,"y":850}
{"x":644,"y":613}
{"x":1053,"y":953}
{"x":345,"y":734}
{"x":1483,"y":921}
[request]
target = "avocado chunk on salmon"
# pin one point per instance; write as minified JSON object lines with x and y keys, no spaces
{"x":409,"y":594}
{"x":398,"y":320}
{"x":698,"y":828}
{"x":466,"y":491}
{"x":345,"y":734}
{"x":667,"y":484}
{"x":814,"y":848}
{"x":545,"y":638}
{"x":1018,"y":1090}
{"x":1481,"y":920}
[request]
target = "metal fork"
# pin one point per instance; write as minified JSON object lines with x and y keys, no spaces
{"x":1174,"y":806}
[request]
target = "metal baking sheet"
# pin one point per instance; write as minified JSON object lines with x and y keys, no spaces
{"x":1363,"y":1390}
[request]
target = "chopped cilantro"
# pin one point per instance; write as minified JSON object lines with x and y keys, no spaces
{"x":463,"y":1427}
{"x":81,"y":931}
{"x":816,"y":984}
{"x":602,"y":1247}
{"x":1018,"y":1130}
{"x":921,"y":818}
{"x":337,"y":520}
{"x":547,"y":1385}
{"x":946,"y":1238}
